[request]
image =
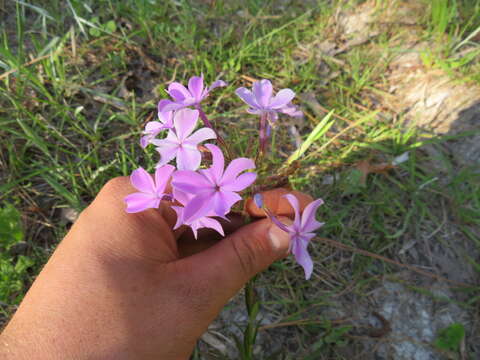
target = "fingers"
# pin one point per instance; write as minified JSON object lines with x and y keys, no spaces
{"x":147,"y":233}
{"x":274,"y":200}
{"x":230,"y":263}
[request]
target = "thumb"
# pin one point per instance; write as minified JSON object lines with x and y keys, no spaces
{"x":229,"y":264}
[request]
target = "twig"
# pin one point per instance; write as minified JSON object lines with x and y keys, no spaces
{"x":383,"y":258}
{"x":248,"y":78}
{"x":302,"y":322}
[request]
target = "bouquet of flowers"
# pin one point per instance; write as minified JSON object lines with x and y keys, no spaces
{"x":200,"y":186}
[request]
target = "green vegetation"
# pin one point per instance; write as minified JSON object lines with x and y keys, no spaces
{"x":78,"y":79}
{"x":451,"y":337}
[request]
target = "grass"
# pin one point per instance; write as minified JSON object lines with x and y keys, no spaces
{"x":79,"y":89}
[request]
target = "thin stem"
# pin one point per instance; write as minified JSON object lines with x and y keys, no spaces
{"x":252,"y":306}
{"x":263,"y":132}
{"x":207,"y":123}
{"x":204,"y":118}
{"x":262,"y":138}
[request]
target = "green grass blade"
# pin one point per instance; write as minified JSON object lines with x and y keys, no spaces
{"x":322,"y":127}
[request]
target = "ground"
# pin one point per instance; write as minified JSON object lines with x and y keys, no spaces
{"x":397,"y":163}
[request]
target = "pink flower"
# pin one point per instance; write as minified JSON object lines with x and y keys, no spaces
{"x":214,"y":189}
{"x":203,"y":222}
{"x":181,"y":143}
{"x":153,"y":128}
{"x":301,"y":231}
{"x":262,"y":101}
{"x":150,"y":192}
{"x":183,"y":97}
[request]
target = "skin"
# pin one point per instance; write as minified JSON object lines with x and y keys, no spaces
{"x":125,"y":286}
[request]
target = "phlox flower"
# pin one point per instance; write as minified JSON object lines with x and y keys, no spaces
{"x":262,"y":102}
{"x":203,"y":222}
{"x":301,"y":231}
{"x":153,"y":128}
{"x":151,"y":191}
{"x":183,"y":97}
{"x":214,"y":189}
{"x":181,"y":142}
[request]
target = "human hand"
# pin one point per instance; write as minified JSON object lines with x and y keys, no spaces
{"x":125,"y":286}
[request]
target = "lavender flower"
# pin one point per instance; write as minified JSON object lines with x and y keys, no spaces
{"x":195,"y":225}
{"x":153,"y":128}
{"x":181,"y":144}
{"x":150,"y":192}
{"x":301,"y":231}
{"x":214,"y":189}
{"x":183,"y":97}
{"x":262,"y":102}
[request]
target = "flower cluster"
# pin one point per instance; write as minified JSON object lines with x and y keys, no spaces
{"x":200,"y":195}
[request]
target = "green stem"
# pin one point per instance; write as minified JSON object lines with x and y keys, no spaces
{"x":252,"y":306}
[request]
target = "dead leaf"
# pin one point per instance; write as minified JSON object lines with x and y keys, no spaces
{"x":365,"y":167}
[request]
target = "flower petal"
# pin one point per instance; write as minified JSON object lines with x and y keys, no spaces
{"x":184,"y":122}
{"x":236,"y":167}
{"x":179,"y":211}
{"x":177,"y":91}
{"x":145,"y":140}
{"x":309,"y":223}
{"x":174,"y":106}
{"x":162,"y":176}
{"x":282,"y":98}
{"x":195,"y":86}
{"x":247,"y":96}
{"x":201,"y":135}
{"x":210,"y":223}
{"x":223,"y":202}
{"x":291,"y":110}
{"x":299,"y":249}
{"x":163,"y":103}
{"x":167,"y":150}
{"x":217,"y":83}
{"x":137,"y":202}
{"x":182,"y":197}
{"x":198,"y":207}
{"x":191,"y":182}
{"x":296,"y":207}
{"x":166,"y":118}
{"x":142,"y":181}
{"x":241,"y":182}
{"x":153,"y":127}
{"x":188,"y":158}
{"x":218,"y":162}
{"x":262,"y":90}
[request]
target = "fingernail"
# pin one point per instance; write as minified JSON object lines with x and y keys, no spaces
{"x":279,"y":239}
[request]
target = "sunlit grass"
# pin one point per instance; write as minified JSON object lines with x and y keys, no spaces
{"x":73,"y":102}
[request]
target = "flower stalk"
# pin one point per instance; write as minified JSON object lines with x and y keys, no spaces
{"x":208,"y":124}
{"x":250,"y":333}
